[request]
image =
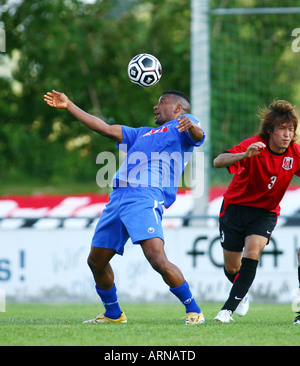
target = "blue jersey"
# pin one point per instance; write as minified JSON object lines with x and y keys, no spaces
{"x":155,"y":157}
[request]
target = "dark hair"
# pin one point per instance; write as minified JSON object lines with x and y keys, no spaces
{"x":279,"y":112}
{"x":178,"y":93}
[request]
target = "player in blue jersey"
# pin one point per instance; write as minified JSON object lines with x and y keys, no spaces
{"x":147,"y":180}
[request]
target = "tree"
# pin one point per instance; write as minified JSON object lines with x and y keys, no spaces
{"x":82,"y":49}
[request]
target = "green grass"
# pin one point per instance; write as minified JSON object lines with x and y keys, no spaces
{"x":148,"y":325}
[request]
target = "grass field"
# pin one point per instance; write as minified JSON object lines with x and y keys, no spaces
{"x":148,"y":325}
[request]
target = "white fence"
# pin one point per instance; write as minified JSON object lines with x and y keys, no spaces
{"x":43,"y":264}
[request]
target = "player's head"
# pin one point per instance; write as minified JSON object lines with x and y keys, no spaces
{"x":279,"y":113}
{"x":171,"y":105}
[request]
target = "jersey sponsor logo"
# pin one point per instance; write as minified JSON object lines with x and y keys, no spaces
{"x":153,"y":131}
{"x":287,"y":163}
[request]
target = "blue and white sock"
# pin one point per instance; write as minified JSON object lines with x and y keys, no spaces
{"x":184,"y":294}
{"x":110,"y":302}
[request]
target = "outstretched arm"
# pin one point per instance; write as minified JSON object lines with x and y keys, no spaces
{"x":61,"y":101}
{"x":186,"y":124}
{"x":226,"y":159}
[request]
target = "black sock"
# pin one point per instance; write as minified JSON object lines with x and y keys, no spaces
{"x":242,"y":283}
{"x":230,"y":276}
{"x":299,"y":275}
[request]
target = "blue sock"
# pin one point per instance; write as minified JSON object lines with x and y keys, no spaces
{"x":184,"y":294}
{"x":110,"y":302}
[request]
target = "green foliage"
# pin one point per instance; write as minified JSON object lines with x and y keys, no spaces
{"x":82,"y":49}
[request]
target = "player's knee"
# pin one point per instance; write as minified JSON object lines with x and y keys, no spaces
{"x":90,"y":262}
{"x":93,"y":264}
{"x":232,"y":268}
{"x":252,"y":254}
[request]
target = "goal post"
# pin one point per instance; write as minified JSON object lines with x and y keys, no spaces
{"x":241,"y":60}
{"x":200,"y":97}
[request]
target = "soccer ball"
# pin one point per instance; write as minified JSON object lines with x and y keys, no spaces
{"x":144,"y":70}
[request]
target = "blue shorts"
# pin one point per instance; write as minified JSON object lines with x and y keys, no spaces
{"x":134,"y":212}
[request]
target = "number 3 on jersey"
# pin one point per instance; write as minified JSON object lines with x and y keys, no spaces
{"x":273,"y":180}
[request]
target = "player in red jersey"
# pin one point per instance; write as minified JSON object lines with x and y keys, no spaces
{"x":263,"y":167}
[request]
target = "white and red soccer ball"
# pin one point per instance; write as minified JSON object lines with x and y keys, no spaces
{"x":144,"y":70}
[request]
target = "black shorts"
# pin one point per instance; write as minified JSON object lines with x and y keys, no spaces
{"x":238,"y":222}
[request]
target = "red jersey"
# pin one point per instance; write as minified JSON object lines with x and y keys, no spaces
{"x":262,"y":180}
